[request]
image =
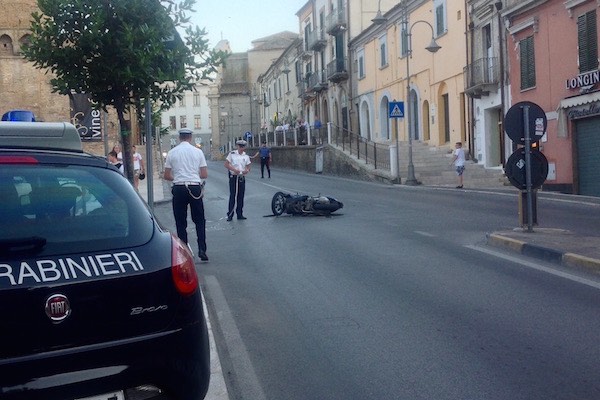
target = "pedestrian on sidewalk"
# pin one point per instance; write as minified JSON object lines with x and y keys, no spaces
{"x":112,"y":158}
{"x":265,"y":159}
{"x":459,"y":163}
{"x":186,"y":167}
{"x":138,"y":167}
{"x":238,"y":166}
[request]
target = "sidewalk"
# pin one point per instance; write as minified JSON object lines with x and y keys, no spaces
{"x":555,"y":245}
{"x":161,"y":189}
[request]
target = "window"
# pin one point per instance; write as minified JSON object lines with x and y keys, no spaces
{"x":196,"y":99}
{"x":527,"y":54}
{"x":440,"y":17}
{"x":172,"y":122}
{"x":6,"y":45}
{"x":307,"y":31}
{"x":183,"y":121}
{"x":403,"y":40}
{"x":182,"y":102}
{"x":361,"y":63}
{"x":587,"y":41}
{"x":197,"y":122}
{"x":383,"y":60}
{"x":298,"y":70}
{"x":61,"y":204}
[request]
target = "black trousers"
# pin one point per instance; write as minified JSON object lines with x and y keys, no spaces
{"x":237,"y":188}
{"x":264,"y":161}
{"x":182,"y":197}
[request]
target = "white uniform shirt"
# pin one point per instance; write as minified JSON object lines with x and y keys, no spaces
{"x":238,"y":161}
{"x":185,"y":162}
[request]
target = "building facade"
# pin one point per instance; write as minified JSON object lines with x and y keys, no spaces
{"x":400,"y":59}
{"x":485,"y":82}
{"x":553,"y":58}
{"x":191,"y":112}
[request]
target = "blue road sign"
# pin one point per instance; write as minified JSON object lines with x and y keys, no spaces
{"x":396,"y":109}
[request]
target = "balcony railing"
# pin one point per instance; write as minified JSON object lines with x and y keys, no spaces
{"x":336,"y":21}
{"x":317,"y":81}
{"x":337,"y":70}
{"x":482,"y":76}
{"x":316,"y":40}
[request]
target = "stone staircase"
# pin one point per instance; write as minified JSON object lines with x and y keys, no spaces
{"x":432,"y":167}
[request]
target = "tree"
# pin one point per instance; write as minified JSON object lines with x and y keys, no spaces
{"x":119,"y":52}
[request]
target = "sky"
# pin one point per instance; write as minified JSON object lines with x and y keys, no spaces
{"x":242,"y":21}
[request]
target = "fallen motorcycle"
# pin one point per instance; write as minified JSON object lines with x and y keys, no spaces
{"x":303,"y":204}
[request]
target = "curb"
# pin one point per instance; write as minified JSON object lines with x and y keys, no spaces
{"x":547,"y":254}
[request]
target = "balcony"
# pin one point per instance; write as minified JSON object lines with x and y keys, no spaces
{"x":337,"y":70}
{"x":316,"y":40}
{"x":302,"y":92}
{"x":317,"y":82}
{"x":336,"y":21}
{"x":482,"y":77}
{"x":305,"y":53}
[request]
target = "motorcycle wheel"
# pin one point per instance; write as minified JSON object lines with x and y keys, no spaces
{"x":278,"y":203}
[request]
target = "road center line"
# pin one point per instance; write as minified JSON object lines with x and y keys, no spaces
{"x":424,"y":233}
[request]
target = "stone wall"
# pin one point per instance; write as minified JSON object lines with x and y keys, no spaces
{"x":304,"y":158}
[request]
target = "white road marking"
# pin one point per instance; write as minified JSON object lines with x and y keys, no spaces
{"x":538,"y":267}
{"x":233,"y":341}
{"x":217,"y":390}
{"x":424,"y":233}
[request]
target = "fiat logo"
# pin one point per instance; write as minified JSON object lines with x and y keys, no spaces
{"x":58,"y":308}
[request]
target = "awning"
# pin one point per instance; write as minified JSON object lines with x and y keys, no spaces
{"x":580,"y":100}
{"x":562,"y":129}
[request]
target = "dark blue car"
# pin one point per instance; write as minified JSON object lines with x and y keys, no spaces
{"x":97,"y":300}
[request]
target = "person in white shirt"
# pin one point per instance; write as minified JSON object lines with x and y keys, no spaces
{"x":238,"y":166}
{"x":459,"y":163}
{"x":186,"y":167}
{"x":138,"y":167}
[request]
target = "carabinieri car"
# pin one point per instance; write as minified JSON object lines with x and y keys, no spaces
{"x":98,"y":301}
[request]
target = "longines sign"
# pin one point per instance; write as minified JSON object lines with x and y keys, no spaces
{"x":586,"y":80}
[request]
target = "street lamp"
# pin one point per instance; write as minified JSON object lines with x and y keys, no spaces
{"x":432,"y":48}
{"x":379,"y":18}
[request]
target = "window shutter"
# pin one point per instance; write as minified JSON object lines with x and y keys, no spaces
{"x":439,"y":20}
{"x":587,"y":41}
{"x":527,"y":53}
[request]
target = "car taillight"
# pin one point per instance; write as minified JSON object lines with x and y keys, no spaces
{"x":183,"y":269}
{"x":17,"y":160}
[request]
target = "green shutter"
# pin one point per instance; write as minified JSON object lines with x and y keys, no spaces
{"x":587,"y":41}
{"x":527,"y":53}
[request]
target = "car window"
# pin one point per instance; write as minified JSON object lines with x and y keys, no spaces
{"x":75,"y":208}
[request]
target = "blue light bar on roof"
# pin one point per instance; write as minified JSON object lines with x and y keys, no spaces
{"x":19,"y":116}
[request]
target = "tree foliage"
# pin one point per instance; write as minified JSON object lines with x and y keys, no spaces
{"x":121,"y":51}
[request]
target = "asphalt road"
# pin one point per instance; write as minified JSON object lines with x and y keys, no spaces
{"x":397,"y":297}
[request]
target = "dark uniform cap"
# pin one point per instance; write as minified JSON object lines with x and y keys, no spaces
{"x":185,"y":131}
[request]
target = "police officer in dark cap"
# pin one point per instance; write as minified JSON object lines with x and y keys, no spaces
{"x":238,"y":166}
{"x":186,"y":167}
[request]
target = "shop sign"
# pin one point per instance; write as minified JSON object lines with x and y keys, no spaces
{"x":589,"y":110}
{"x":586,"y":80}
